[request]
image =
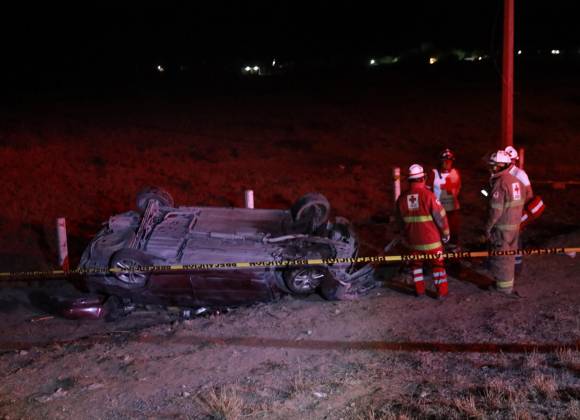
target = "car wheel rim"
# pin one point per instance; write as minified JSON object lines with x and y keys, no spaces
{"x":127,"y":274}
{"x":307,"y":280}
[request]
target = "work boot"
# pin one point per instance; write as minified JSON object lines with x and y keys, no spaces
{"x":419,"y":288}
{"x":442,"y":290}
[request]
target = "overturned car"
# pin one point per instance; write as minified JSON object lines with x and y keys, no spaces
{"x":160,"y":234}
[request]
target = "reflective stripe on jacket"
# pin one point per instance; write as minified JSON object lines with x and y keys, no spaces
{"x":446,"y":187}
{"x":421,"y":217}
{"x":506,"y":202}
{"x":522,"y":176}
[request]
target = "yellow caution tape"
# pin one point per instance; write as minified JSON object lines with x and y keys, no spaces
{"x":293,"y":263}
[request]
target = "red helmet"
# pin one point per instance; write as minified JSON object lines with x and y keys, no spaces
{"x":447,"y":154}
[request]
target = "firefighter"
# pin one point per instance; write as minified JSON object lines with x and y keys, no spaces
{"x":423,"y":220}
{"x":506,"y":203}
{"x":445,"y":182}
{"x":518,"y":172}
{"x":534,"y":205}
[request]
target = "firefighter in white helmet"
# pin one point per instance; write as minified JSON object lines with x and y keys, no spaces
{"x":506,"y":203}
{"x":445,"y":182}
{"x":518,"y":172}
{"x":424,"y":223}
{"x":534,"y":205}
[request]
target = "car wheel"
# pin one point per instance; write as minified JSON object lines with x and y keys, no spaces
{"x":280,"y":281}
{"x":331,"y":291}
{"x":128,"y":260}
{"x":311,"y":211}
{"x":153,"y":193}
{"x":305,"y":280}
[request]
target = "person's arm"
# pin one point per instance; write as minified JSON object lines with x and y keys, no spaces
{"x":523,"y":177}
{"x":496,"y":207}
{"x":440,"y":218}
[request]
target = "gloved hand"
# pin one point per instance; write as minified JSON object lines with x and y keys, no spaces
{"x":445,"y":238}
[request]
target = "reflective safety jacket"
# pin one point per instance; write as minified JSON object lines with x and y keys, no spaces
{"x":422,"y":218}
{"x":534,"y":205}
{"x":524,"y":179}
{"x":506,"y":203}
{"x":446,"y":187}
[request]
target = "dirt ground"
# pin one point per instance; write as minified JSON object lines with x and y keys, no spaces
{"x":388,"y":355}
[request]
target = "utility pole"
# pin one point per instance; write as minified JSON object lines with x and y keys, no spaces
{"x":507,"y":92}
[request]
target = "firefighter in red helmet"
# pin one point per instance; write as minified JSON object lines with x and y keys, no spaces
{"x":424,"y":223}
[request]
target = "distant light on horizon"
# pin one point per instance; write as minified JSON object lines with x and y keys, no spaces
{"x":273,"y":62}
{"x":519,"y":52}
{"x":251,"y":69}
{"x":372,"y":62}
{"x":432,"y":60}
{"x":555,"y":52}
{"x":160,"y":68}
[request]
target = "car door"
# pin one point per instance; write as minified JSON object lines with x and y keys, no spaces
{"x":171,"y":288}
{"x":229,"y":287}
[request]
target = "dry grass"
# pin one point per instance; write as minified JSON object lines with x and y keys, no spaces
{"x":372,"y":415}
{"x":545,"y":386}
{"x":573,"y":411}
{"x":520,"y":414}
{"x":533,"y":360}
{"x":367,"y":413}
{"x":500,"y":394}
{"x":299,"y":383}
{"x":467,"y":408}
{"x":222,"y":404}
{"x":568,"y":357}
{"x":384,"y":413}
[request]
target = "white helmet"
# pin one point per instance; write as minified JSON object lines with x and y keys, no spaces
{"x":416,"y":171}
{"x":512,"y":152}
{"x":499,"y":157}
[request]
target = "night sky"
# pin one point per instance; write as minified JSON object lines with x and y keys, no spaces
{"x":40,"y":39}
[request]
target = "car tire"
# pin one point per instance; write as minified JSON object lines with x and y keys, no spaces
{"x":331,"y":291}
{"x":311,"y":211}
{"x":304,"y":280}
{"x":153,"y":193}
{"x":280,"y":281}
{"x":127,"y":259}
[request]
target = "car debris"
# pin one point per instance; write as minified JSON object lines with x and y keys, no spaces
{"x":41,"y":318}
